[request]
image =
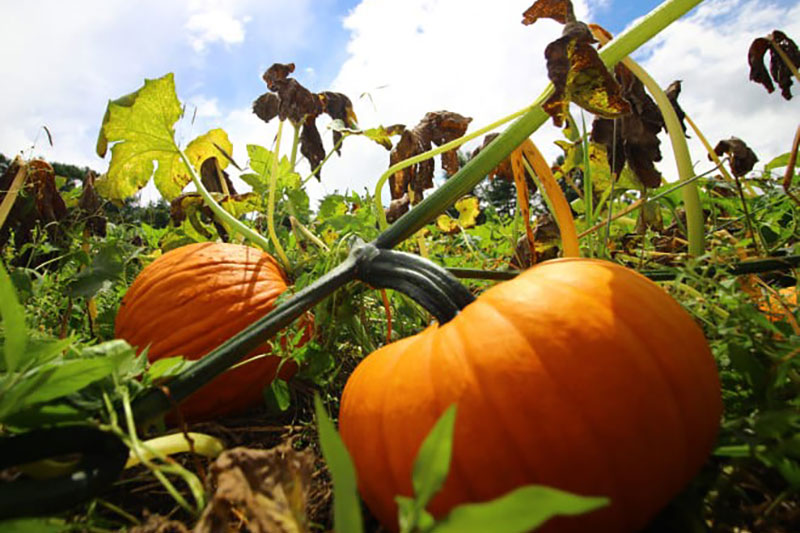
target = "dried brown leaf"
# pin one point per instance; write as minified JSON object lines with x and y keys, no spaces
{"x":437,"y":128}
{"x":339,"y":107}
{"x":579,"y":75}
{"x":91,"y":206}
{"x":779,"y":72}
{"x":212,"y":175}
{"x":742,"y":158}
{"x":672,"y":92}
{"x":311,"y":146}
{"x":558,"y":10}
{"x":266,"y":488}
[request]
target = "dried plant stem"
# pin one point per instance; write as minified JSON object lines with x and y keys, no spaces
{"x":13,"y":190}
{"x":787,"y":177}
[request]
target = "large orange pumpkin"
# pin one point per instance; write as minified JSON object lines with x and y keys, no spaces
{"x":578,"y":374}
{"x":193,"y":298}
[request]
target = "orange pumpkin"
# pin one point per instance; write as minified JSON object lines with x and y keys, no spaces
{"x":578,"y":374}
{"x":192,"y":299}
{"x":775,"y":306}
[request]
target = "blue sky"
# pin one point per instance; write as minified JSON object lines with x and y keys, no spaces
{"x":61,"y":65}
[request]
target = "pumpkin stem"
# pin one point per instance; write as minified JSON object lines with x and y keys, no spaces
{"x":425,"y":282}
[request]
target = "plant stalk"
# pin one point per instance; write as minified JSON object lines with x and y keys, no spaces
{"x":477,"y":168}
{"x":273,"y":184}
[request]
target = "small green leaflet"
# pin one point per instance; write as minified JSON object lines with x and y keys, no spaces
{"x":142,"y":127}
{"x":16,"y":336}
{"x":521,"y":510}
{"x":346,"y":507}
{"x":261,"y":161}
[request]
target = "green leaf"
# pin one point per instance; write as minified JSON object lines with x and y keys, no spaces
{"x":143,"y":133}
{"x":277,"y":396}
{"x":16,"y":335}
{"x":433,"y":459}
{"x":261,"y":161}
{"x":346,"y":507}
{"x":123,"y":101}
{"x":779,"y":162}
{"x":518,"y":511}
{"x":34,"y":525}
{"x":54,"y":380}
{"x":166,"y":367}
{"x":107,"y":266}
{"x":410,"y":517}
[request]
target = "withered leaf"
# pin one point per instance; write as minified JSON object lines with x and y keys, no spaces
{"x":158,"y":524}
{"x":311,"y":146}
{"x":268,"y":489}
{"x":397,"y":208}
{"x":339,"y":107}
{"x":91,"y":206}
{"x":558,"y":10}
{"x":277,"y":73}
{"x":212,"y":177}
{"x":778,"y":70}
{"x":439,"y":127}
{"x":290,"y":100}
{"x":672,"y":92}
{"x":742,"y":158}
{"x":266,"y":106}
{"x":580,"y":76}
{"x":42,"y":179}
{"x":636,"y":141}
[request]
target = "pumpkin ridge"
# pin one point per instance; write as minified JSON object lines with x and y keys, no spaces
{"x":386,"y":428}
{"x":184,"y":331}
{"x":460,"y":477}
{"x":609,"y":469}
{"x":673,"y":395}
{"x":492,"y":405}
{"x":190,"y":273}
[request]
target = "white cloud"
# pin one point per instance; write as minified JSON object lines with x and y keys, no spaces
{"x":212,"y":26}
{"x":423,"y":55}
{"x":708,"y":51}
{"x":63,"y":62}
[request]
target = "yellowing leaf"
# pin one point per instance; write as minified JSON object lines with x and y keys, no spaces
{"x":143,"y":134}
{"x":447,"y":224}
{"x":468,"y":211}
{"x":203,"y":147}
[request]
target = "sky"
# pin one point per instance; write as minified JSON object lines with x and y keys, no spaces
{"x":62,"y":61}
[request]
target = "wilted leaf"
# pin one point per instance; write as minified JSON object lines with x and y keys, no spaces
{"x":446,"y":224}
{"x":778,"y":70}
{"x":636,"y":140}
{"x":268,"y":489}
{"x":558,"y":10}
{"x":742,"y":158}
{"x":143,"y":134}
{"x":302,"y":107}
{"x":91,"y":206}
{"x":468,"y":211}
{"x":206,"y":146}
{"x":42,"y":182}
{"x":672,"y":92}
{"x":311,"y":146}
{"x":397,"y":208}
{"x":580,"y":76}
{"x":339,"y":107}
{"x":439,"y":128}
{"x":213,"y":177}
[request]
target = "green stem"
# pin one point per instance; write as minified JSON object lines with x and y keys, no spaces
{"x":477,"y":168}
{"x":218,"y":210}
{"x":295,"y":144}
{"x":273,"y":184}
{"x":691,"y":196}
{"x":325,"y":160}
{"x":432,"y":153}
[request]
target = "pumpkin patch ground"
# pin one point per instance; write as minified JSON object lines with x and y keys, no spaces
{"x":510,"y":342}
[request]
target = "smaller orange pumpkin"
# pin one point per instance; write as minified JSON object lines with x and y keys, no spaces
{"x":192,"y":299}
{"x":776,"y":306}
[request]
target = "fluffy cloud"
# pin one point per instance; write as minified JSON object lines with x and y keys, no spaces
{"x":213,"y":26}
{"x":460,"y":55}
{"x":708,"y":51}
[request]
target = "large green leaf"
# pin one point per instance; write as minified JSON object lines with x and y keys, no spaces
{"x":16,"y":336}
{"x":261,"y":161}
{"x":518,"y":511}
{"x":143,"y":134}
{"x":346,"y":507}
